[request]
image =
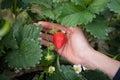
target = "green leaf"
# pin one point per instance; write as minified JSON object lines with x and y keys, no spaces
{"x":27,"y":56}
{"x":114,"y":5}
{"x":57,"y":75}
{"x":29,"y":1}
{"x":72,"y":15}
{"x":83,"y":3}
{"x":1,"y":49}
{"x":4,"y":4}
{"x":52,"y":14}
{"x":98,"y":5}
{"x":98,"y":28}
{"x":16,"y":29}
{"x":78,"y":2}
{"x":31,"y":32}
{"x":87,"y":2}
{"x":70,"y":74}
{"x":10,"y":41}
{"x":64,"y":73}
{"x":77,"y":12}
{"x":4,"y":77}
{"x":29,"y":52}
{"x":49,"y":13}
{"x":24,"y":17}
{"x":56,"y":1}
{"x":45,"y":3}
{"x":79,"y":18}
{"x":95,"y":74}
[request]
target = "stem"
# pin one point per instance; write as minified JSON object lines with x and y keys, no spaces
{"x":15,"y":7}
{"x":0,"y":11}
{"x":58,"y":62}
{"x":110,"y":55}
{"x":42,"y":75}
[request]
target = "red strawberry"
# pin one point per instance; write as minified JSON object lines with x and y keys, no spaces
{"x":59,"y":39}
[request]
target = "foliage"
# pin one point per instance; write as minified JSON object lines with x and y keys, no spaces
{"x":97,"y":75}
{"x":20,"y":40}
{"x":66,"y":73}
{"x":114,"y":6}
{"x":4,"y":77}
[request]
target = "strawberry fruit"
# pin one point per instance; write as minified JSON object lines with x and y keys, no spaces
{"x":59,"y":39}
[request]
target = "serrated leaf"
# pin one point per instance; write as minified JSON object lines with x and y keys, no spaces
{"x":72,"y":15}
{"x":49,"y":13}
{"x":16,"y":29}
{"x":87,"y":2}
{"x":70,"y":74}
{"x":98,"y":5}
{"x":114,"y":5}
{"x":65,"y":73}
{"x":53,"y":11}
{"x":27,"y":56}
{"x":83,"y":3}
{"x":68,"y":9}
{"x":79,"y":18}
{"x":57,"y":75}
{"x":52,"y":14}
{"x":78,"y":2}
{"x":98,"y":28}
{"x":29,"y":31}
{"x":46,"y":3}
{"x":29,"y":52}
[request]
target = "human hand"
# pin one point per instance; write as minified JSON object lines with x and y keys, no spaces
{"x":75,"y":47}
{"x":78,"y":51}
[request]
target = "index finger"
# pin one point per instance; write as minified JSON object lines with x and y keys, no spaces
{"x":49,"y":25}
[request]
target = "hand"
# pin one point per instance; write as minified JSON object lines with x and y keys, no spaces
{"x":78,"y":51}
{"x":76,"y":45}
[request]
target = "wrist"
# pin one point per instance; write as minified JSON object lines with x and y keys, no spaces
{"x":87,"y":58}
{"x":93,"y":59}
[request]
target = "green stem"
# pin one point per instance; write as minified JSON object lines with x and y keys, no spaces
{"x":42,"y":75}
{"x":112,"y":56}
{"x":58,"y":62}
{"x":0,"y":11}
{"x":15,"y":7}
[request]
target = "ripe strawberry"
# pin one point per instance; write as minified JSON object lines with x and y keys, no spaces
{"x":59,"y":39}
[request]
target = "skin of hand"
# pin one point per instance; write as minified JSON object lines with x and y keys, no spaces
{"x":78,"y":51}
{"x":76,"y":42}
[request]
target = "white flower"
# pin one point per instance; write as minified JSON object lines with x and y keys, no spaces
{"x":51,"y":69}
{"x":48,"y":57}
{"x":77,"y":68}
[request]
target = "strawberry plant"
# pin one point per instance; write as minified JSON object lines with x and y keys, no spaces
{"x":21,"y":51}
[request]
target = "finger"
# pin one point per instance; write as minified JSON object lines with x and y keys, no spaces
{"x":47,"y":37}
{"x":46,"y":43}
{"x":52,"y":26}
{"x":47,"y":31}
